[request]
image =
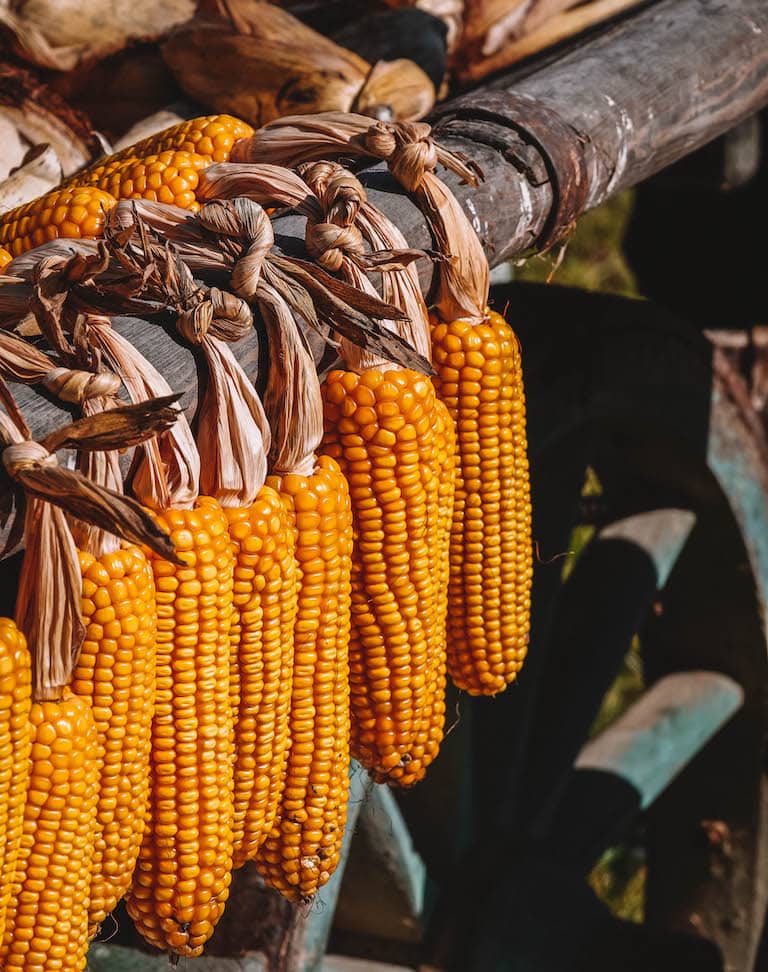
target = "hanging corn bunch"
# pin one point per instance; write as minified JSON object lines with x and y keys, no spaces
{"x":47,"y":923}
{"x":386,"y":428}
{"x":182,"y":878}
{"x":233,"y":440}
{"x":302,"y":850}
{"x":479,"y":376}
{"x":115,"y":669}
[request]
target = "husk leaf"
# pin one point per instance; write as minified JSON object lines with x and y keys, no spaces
{"x":169,"y":472}
{"x":263,"y":66}
{"x":48,"y":603}
{"x":292,"y":399}
{"x":60,"y":34}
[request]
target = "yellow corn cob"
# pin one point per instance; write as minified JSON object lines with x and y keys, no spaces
{"x":47,"y":921}
{"x":479,"y":377}
{"x":387,"y":433}
{"x":115,"y":672}
{"x":5,"y":258}
{"x":211,"y":137}
{"x":266,"y":591}
{"x":168,"y":177}
{"x":15,"y":742}
{"x":75,"y":212}
{"x":302,"y":850}
{"x":182,"y":878}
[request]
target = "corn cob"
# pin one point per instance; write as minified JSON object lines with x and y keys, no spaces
{"x":76,"y":212}
{"x":47,"y":920}
{"x":302,"y":849}
{"x":233,"y":438}
{"x":210,"y":136}
{"x":115,"y":672}
{"x":385,"y":428}
{"x":47,"y":924}
{"x":380,"y":426}
{"x":182,"y":878}
{"x":169,"y":177}
{"x":15,"y":702}
{"x":5,"y":258}
{"x":488,"y":634}
{"x":479,"y":377}
{"x":266,"y":589}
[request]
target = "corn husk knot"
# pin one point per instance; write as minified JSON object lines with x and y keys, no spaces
{"x":218,"y":314}
{"x":77,"y":387}
{"x":244,"y":220}
{"x":408,"y":149}
{"x":329,"y":244}
{"x":340,"y":193}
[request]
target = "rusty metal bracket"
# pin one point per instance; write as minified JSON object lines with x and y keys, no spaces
{"x":544,"y":148}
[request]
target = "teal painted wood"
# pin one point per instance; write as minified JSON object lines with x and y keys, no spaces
{"x":309,"y":935}
{"x":661,"y":533}
{"x":738,"y":459}
{"x":664,"y":730}
{"x":116,"y":958}
{"x":389,"y":836}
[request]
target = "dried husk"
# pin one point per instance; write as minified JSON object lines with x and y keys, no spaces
{"x":169,"y":472}
{"x":337,"y":240}
{"x":41,"y":173}
{"x":95,"y":392}
{"x":257,"y":61}
{"x":48,"y":603}
{"x":488,"y":24}
{"x":292,"y":399}
{"x":395,"y":89}
{"x":60,"y":34}
{"x":547,"y":23}
{"x":233,"y":436}
{"x":41,"y":116}
{"x":412,"y":156}
{"x":224,"y":239}
{"x":345,"y":203}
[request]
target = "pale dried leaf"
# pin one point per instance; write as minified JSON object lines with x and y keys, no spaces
{"x":36,"y":177}
{"x":232,"y":434}
{"x":169,"y":472}
{"x":41,"y":116}
{"x":292,"y":399}
{"x":59,"y":34}
{"x":48,"y":602}
{"x":395,"y":89}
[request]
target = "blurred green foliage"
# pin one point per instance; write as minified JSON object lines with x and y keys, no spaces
{"x":592,"y":257}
